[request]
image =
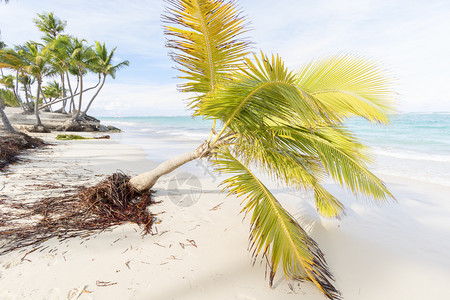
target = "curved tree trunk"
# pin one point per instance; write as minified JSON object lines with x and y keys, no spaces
{"x":70,"y":90}
{"x":18,"y":99}
{"x":45,"y":100}
{"x":5,"y":120}
{"x":62,"y":99}
{"x":63,"y":109}
{"x":146,"y":181}
{"x":36,"y":105}
{"x":17,"y":83}
{"x":77,"y":115}
{"x":95,"y":95}
{"x":26,"y":97}
{"x":15,"y":93}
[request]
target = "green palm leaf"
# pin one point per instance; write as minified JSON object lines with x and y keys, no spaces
{"x":265,"y":92}
{"x":289,"y":168}
{"x":340,"y":154}
{"x":275,"y":233}
{"x":349,"y":85}
{"x":207,"y":42}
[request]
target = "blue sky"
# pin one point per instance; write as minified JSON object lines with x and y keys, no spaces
{"x":410,"y":38}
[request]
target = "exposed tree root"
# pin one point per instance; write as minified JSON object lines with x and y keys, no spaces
{"x":76,"y":212}
{"x":38,"y":129}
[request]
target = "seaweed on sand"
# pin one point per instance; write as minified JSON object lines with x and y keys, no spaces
{"x":79,"y":137}
{"x":12,"y":144}
{"x":83,"y":212}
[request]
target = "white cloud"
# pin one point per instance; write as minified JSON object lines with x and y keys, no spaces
{"x":409,"y":36}
{"x":139,"y":100}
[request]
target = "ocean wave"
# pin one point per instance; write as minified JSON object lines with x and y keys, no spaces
{"x":428,"y":178}
{"x":411,"y":155}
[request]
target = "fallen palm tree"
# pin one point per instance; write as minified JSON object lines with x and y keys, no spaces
{"x":287,"y":124}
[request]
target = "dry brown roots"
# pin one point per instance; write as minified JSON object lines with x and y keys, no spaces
{"x":111,"y":202}
{"x":12,"y":144}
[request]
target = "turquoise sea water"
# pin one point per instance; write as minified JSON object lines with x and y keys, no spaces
{"x":415,"y":145}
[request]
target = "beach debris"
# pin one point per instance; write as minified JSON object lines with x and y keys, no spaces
{"x":216,"y":207}
{"x":75,"y":293}
{"x":66,"y":137}
{"x":104,"y":283}
{"x":74,"y":212}
{"x":192,"y":242}
{"x":174,"y":257}
{"x":115,"y":198}
{"x":12,"y":144}
{"x":165,"y":231}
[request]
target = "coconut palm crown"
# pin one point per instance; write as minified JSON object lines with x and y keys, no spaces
{"x":287,"y":124}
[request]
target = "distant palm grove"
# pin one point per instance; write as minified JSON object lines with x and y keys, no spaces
{"x":49,"y":74}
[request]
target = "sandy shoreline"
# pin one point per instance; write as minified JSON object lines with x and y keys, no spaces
{"x":394,"y":251}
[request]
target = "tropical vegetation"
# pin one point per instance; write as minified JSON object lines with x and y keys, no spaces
{"x":269,"y":119}
{"x":59,"y":56}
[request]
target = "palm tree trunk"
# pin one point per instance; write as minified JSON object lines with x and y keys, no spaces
{"x":78,"y":84}
{"x":15,"y":93}
{"x":77,"y":115}
{"x":70,"y":89}
{"x":36,"y":104}
{"x":18,"y":99}
{"x":95,"y":95}
{"x":62,"y":99}
{"x":17,"y":83}
{"x":45,"y":100}
{"x":5,"y":120}
{"x":146,"y":181}
{"x":26,"y":97}
{"x":63,"y":109}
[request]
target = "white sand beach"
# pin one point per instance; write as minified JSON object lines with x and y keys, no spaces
{"x":291,"y":93}
{"x":393,"y":251}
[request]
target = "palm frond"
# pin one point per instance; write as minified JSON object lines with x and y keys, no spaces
{"x":264,"y":92}
{"x":340,"y":154}
{"x":289,"y":168}
{"x":207,"y":39}
{"x":349,"y":85}
{"x":274,"y":232}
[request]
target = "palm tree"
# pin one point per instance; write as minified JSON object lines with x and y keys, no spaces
{"x":8,"y":82}
{"x":38,"y":67}
{"x":104,"y":67}
{"x":51,"y":25}
{"x":4,"y":117}
{"x":2,"y":46}
{"x":12,"y":60}
{"x":81,"y":58}
{"x":52,"y":90}
{"x":287,"y":124}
